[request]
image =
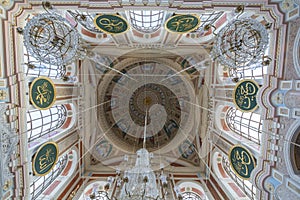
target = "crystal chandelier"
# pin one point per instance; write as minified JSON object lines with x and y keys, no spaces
{"x":241,"y":43}
{"x":140,"y":181}
{"x":51,"y":39}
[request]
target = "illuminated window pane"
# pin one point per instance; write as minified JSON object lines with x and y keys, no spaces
{"x":146,"y":21}
{"x":245,"y":185}
{"x":42,"y":122}
{"x":190,"y":196}
{"x":40,"y":183}
{"x":248,"y":125}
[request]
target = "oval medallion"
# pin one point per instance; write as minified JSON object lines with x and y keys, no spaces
{"x":182,"y":23}
{"x":111,"y":24}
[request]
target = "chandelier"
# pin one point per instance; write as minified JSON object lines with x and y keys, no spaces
{"x":241,"y":43}
{"x":140,"y":181}
{"x":51,"y":39}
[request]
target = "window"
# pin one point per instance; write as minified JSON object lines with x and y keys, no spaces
{"x":190,"y":196}
{"x":40,"y":183}
{"x":42,"y":122}
{"x":246,"y":124}
{"x":34,"y":67}
{"x":146,"y":21}
{"x":245,"y":185}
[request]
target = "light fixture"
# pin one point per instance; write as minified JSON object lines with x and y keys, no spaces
{"x":241,"y":43}
{"x":51,"y":39}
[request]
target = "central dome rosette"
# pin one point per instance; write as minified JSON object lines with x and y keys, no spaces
{"x":151,"y":86}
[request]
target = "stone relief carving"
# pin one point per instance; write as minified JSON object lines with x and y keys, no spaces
{"x":8,"y":142}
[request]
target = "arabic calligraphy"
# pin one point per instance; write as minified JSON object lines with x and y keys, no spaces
{"x":182,"y":23}
{"x":112,"y":24}
{"x":241,"y":161}
{"x":47,"y":160}
{"x":42,"y":93}
{"x":245,"y":95}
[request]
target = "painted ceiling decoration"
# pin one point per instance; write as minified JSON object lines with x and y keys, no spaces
{"x":42,"y":93}
{"x":144,"y":82}
{"x":111,"y":23}
{"x":157,"y":90}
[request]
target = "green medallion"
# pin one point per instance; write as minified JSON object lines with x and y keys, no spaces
{"x":45,"y":159}
{"x":111,"y":24}
{"x":182,"y":23}
{"x":42,"y":93}
{"x":241,"y":161}
{"x":244,"y":95}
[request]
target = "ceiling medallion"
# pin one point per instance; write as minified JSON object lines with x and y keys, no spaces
{"x":51,"y":39}
{"x":182,"y":23}
{"x":111,"y":24}
{"x":241,"y":43}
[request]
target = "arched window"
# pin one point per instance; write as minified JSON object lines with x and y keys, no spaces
{"x":246,"y":124}
{"x":191,"y":190}
{"x":48,"y":186}
{"x":43,"y":122}
{"x":36,"y":68}
{"x":190,"y":196}
{"x":40,"y":183}
{"x":146,"y":21}
{"x":235,"y":187}
{"x":245,"y":185}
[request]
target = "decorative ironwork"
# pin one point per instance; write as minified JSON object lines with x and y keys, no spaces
{"x":241,"y":43}
{"x":51,"y":39}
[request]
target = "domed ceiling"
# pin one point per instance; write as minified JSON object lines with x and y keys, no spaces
{"x":159,"y":91}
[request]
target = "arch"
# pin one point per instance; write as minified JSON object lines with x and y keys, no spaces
{"x":146,"y":21}
{"x":246,"y":124}
{"x":239,"y":126}
{"x":95,"y":188}
{"x":45,"y":124}
{"x":236,"y":187}
{"x":292,"y":160}
{"x":42,"y":187}
{"x":191,"y":190}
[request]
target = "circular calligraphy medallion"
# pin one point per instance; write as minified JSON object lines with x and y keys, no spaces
{"x":42,"y":93}
{"x":241,"y":161}
{"x":182,"y":23}
{"x":45,"y":159}
{"x":111,"y":24}
{"x":244,"y":95}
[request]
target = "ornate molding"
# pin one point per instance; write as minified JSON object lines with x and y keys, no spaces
{"x":8,"y":144}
